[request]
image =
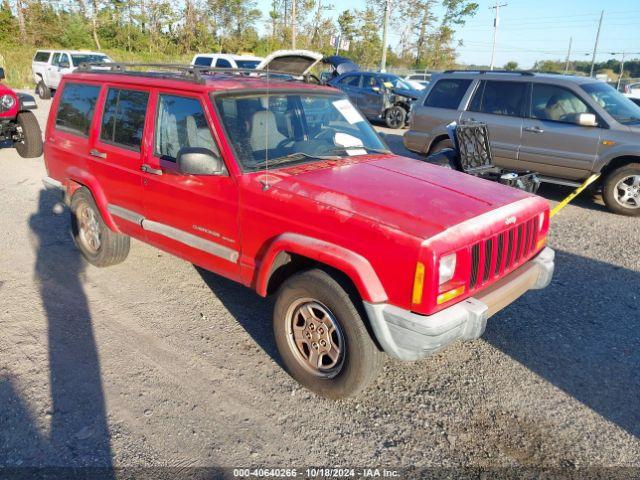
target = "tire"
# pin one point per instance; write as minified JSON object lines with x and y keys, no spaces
{"x":440,"y":145}
{"x":43,"y":91}
{"x":395,"y":117}
{"x":111,"y":248}
{"x":621,"y":183}
{"x":358,"y":361}
{"x":31,"y":144}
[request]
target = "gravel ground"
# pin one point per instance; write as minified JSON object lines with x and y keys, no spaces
{"x":156,"y":363}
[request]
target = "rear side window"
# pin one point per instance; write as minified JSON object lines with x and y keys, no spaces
{"x":499,"y":98}
{"x":123,"y":117}
{"x":42,"y":57}
{"x":223,"y":63}
{"x":77,"y":104}
{"x":351,"y":80}
{"x":181,"y":122}
{"x":203,"y":61}
{"x":447,"y":93}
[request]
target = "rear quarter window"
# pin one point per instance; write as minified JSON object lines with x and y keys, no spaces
{"x":76,"y":107}
{"x":42,"y":57}
{"x":447,"y":93}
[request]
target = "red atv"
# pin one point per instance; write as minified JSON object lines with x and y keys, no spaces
{"x":18,"y":125}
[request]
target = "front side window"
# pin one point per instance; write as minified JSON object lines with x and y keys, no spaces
{"x":56,"y":59}
{"x":392,"y":81}
{"x":64,"y":61}
{"x":42,"y":57}
{"x":370,"y":82}
{"x":312,"y":127}
{"x":557,"y":104}
{"x":202,"y":61}
{"x":499,"y":98}
{"x":123,"y":117}
{"x":617,"y":105}
{"x":351,"y":80}
{"x":76,"y":107}
{"x":447,"y":93}
{"x":181,"y":123}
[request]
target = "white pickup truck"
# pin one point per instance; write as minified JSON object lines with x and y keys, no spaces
{"x":48,"y":66}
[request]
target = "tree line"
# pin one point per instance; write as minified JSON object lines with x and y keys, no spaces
{"x":422,"y":30}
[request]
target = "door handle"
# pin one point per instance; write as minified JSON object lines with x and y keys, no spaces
{"x":148,"y":169}
{"x":97,"y":153}
{"x":535,"y":129}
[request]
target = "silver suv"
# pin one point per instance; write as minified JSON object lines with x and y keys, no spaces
{"x":564,"y":127}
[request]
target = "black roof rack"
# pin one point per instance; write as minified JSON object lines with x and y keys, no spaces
{"x":189,"y":73}
{"x":517,"y":72}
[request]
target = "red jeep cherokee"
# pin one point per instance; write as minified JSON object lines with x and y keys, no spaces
{"x":282,"y":186}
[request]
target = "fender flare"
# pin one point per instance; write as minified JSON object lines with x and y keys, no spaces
{"x":352,"y":264}
{"x":76,"y":178}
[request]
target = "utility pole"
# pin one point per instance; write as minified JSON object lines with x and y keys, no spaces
{"x":387,"y":13}
{"x":595,"y":46}
{"x":293,"y":24}
{"x":566,"y":65}
{"x":621,"y":71}
{"x":496,"y":21}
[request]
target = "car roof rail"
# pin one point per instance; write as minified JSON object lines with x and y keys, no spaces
{"x":174,"y":71}
{"x":515,"y":72}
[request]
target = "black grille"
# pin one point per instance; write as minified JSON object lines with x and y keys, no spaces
{"x":520,"y":241}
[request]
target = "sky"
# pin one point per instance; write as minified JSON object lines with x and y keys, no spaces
{"x":537,"y":30}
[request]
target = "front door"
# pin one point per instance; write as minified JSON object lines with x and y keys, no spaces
{"x":60,"y":64}
{"x":371,"y":98}
{"x":192,"y":216}
{"x":501,"y":105}
{"x":552,"y":143}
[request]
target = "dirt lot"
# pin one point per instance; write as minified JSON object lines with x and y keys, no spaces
{"x":155,"y":362}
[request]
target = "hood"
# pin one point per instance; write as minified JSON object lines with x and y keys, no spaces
{"x":293,"y":62}
{"x":340,"y":64}
{"x":412,"y":94}
{"x":402,"y":193}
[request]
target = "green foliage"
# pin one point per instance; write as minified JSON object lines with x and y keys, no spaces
{"x":511,"y":65}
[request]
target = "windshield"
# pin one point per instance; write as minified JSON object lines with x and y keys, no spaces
{"x":616,"y":104}
{"x":396,"y":82}
{"x":282,"y":129}
{"x":88,"y":58}
{"x":247,"y":63}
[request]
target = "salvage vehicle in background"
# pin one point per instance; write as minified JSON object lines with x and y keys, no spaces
{"x":564,"y":127}
{"x":379,"y":96}
{"x":19,"y":127}
{"x":224,"y":60}
{"x":48,"y":67}
{"x":283,"y":186}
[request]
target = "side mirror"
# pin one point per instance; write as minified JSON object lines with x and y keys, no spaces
{"x":200,"y":161}
{"x":63,"y":65}
{"x":586,"y":120}
{"x":2,"y":74}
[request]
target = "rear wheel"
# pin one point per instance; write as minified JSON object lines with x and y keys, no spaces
{"x":31,"y":144}
{"x":99,"y":245}
{"x":43,"y":91}
{"x":321,"y":337}
{"x":395,"y":117}
{"x":621,"y":190}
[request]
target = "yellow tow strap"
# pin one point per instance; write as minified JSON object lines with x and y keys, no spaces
{"x":574,"y":194}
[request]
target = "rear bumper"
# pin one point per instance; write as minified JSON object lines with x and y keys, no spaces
{"x":409,"y":336}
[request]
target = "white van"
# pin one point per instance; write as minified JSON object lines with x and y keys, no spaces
{"x":223,"y":60}
{"x":48,"y":66}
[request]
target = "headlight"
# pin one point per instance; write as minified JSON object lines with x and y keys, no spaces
{"x":7,"y":101}
{"x":447,"y":268}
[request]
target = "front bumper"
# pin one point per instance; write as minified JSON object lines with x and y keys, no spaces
{"x":410,"y":336}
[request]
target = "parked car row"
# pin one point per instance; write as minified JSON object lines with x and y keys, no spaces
{"x":565,"y":127}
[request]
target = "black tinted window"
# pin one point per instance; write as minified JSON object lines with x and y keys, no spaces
{"x":447,"y":93}
{"x":203,"y":61}
{"x":181,"y":123}
{"x":123,"y":117}
{"x":56,"y":59}
{"x":76,"y":107}
{"x":499,"y":98}
{"x":42,"y":57}
{"x":223,"y":63}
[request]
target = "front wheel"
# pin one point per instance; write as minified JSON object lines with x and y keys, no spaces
{"x":30,"y":144}
{"x":395,"y":117}
{"x":621,"y":190}
{"x":43,"y":91}
{"x":321,"y":337}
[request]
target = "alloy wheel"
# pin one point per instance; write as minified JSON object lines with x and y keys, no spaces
{"x":89,"y":228}
{"x":627,"y":191}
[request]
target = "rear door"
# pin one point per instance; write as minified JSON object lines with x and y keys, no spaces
{"x":192,"y":216}
{"x":501,"y":105}
{"x":552,"y":143}
{"x":117,"y":152}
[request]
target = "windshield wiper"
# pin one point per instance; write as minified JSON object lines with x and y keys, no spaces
{"x":292,"y":157}
{"x":354,"y":147}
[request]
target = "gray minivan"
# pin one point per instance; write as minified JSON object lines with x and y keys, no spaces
{"x":565,"y":127}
